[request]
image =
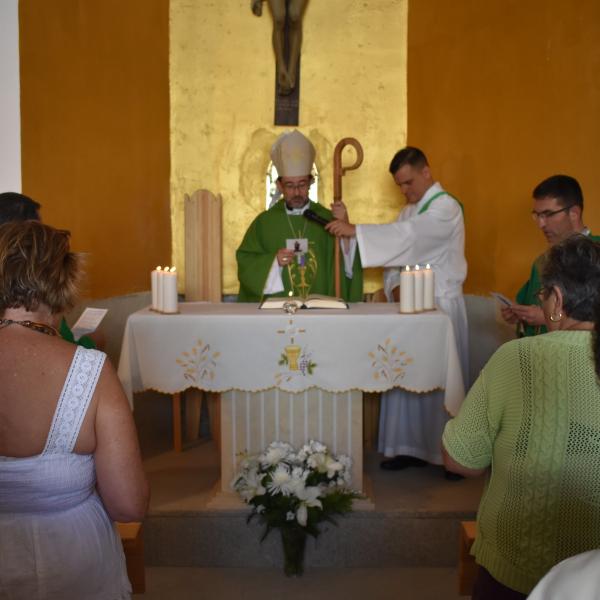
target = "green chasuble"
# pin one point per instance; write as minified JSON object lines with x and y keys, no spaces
{"x":67,"y":335}
{"x":269,"y":232}
{"x":527,"y":295}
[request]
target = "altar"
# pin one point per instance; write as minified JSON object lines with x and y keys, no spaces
{"x":290,"y":377}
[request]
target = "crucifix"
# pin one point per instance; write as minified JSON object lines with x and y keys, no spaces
{"x":287,"y":42}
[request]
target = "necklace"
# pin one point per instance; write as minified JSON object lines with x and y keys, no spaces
{"x":299,"y":234}
{"x":39,"y":327}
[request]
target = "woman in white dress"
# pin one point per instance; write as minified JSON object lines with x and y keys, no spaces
{"x":69,"y":458}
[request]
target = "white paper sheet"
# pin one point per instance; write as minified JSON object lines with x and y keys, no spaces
{"x":88,"y":321}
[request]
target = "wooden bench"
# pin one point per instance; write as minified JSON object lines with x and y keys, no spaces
{"x":467,"y":567}
{"x":133,"y":546}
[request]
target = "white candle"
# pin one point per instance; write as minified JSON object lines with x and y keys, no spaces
{"x":154,"y":279}
{"x":170,"y":291}
{"x":407,"y":291}
{"x":418,"y":279}
{"x":428,"y":288}
{"x":161,"y":287}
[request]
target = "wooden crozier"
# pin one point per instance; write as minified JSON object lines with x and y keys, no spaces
{"x":338,"y":173}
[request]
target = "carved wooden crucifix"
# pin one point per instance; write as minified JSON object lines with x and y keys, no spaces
{"x":287,"y":43}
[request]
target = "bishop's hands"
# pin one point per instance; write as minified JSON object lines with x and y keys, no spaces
{"x":339,"y":211}
{"x":341,"y":226}
{"x":284,"y":256}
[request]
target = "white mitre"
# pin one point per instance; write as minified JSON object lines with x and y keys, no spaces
{"x":293,"y":155}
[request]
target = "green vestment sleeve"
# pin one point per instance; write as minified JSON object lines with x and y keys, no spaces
{"x":269,"y":232}
{"x":527,"y":295}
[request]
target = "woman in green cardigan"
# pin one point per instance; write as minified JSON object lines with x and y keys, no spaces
{"x":531,"y":422}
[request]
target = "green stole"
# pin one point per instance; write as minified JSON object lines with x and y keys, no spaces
{"x":442,"y":193}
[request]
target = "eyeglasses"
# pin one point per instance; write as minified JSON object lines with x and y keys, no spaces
{"x":546,"y":214}
{"x":288,"y":186}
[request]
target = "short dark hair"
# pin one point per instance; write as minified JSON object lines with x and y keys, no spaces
{"x":574,"y":267}
{"x":18,"y":207}
{"x":408,"y":156}
{"x":564,"y":188}
{"x":37,"y":267}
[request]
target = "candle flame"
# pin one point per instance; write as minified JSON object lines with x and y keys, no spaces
{"x":173,"y":269}
{"x":428,"y":266}
{"x":290,"y":293}
{"x":159,"y":268}
{"x":417,"y":268}
{"x":407,"y":268}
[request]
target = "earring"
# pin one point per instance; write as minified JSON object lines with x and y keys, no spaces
{"x":557,"y":318}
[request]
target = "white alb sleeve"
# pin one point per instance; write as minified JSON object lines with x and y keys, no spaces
{"x":274,"y":283}
{"x":349,"y":256}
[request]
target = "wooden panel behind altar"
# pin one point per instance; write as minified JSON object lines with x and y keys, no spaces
{"x":252,"y":420}
{"x":203,"y":281}
{"x":203,"y":246}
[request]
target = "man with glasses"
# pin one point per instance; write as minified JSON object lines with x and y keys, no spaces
{"x":558,"y":212}
{"x":282,"y":239}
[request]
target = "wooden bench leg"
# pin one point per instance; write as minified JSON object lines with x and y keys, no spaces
{"x":177,"y":439}
{"x":467,"y":567}
{"x":133,"y":546}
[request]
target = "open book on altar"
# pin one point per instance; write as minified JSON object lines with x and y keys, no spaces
{"x":312,"y":301}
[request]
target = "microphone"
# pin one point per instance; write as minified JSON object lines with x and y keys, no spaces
{"x":311,"y":215}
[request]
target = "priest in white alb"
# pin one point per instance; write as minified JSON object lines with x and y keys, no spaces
{"x":429,"y":230}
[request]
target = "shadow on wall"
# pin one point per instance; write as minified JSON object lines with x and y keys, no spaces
{"x":487,"y":332}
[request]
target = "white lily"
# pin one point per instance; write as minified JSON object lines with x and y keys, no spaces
{"x":333,"y":466}
{"x":308,"y":497}
{"x":318,"y":461}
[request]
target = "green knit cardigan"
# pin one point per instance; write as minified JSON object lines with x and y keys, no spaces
{"x":533,"y":416}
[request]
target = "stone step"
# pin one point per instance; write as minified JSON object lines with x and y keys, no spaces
{"x":403,"y":583}
{"x":361,"y":539}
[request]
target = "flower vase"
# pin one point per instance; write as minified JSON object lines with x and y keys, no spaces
{"x":294,"y":543}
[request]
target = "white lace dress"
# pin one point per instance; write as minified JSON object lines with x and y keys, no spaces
{"x":56,"y":539}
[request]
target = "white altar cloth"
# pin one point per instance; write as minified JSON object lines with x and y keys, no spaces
{"x":224,"y":347}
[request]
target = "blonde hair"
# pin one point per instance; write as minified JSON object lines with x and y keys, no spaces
{"x":37,"y":267}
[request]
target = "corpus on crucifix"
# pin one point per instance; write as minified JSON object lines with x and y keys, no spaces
{"x":287,"y":15}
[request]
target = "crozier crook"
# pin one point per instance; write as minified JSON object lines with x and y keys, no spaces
{"x":338,"y":173}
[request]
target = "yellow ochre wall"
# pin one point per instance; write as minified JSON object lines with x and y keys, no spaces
{"x":95,"y":131}
{"x":502,"y":94}
{"x":353,"y":83}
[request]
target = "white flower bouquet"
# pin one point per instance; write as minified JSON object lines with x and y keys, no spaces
{"x":295,"y":490}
